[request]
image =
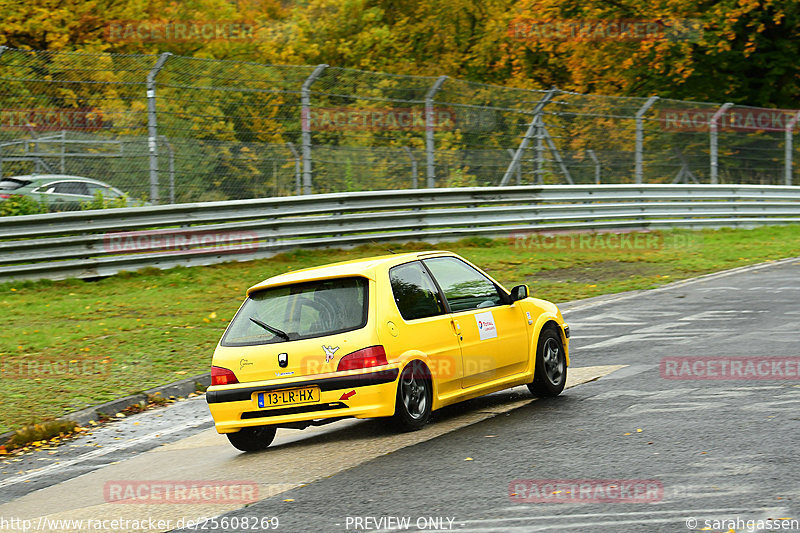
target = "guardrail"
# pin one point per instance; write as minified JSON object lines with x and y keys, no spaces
{"x":88,"y":244}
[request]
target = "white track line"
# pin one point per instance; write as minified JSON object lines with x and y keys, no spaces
{"x":683,"y":283}
{"x":98,"y":452}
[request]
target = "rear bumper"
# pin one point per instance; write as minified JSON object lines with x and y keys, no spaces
{"x":359,"y":395}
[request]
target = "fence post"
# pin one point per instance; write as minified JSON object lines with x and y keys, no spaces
{"x":596,"y":166}
{"x":298,"y":186}
{"x":305,"y":123}
{"x":152,"y":125}
{"x":640,"y":136}
{"x":511,"y":152}
{"x":171,"y":168}
{"x":430,"y":122}
{"x":526,"y":139}
{"x":790,"y":124}
{"x":712,"y":125}
{"x":414,"y":177}
{"x":2,"y":50}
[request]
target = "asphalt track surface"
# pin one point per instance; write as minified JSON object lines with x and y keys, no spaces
{"x":630,"y":446}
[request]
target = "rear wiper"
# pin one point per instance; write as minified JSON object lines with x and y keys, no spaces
{"x":269,"y":328}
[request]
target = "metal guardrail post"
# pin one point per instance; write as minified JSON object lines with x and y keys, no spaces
{"x":414,"y":176}
{"x":430,"y":123}
{"x":713,"y":128}
{"x":298,"y":185}
{"x":596,"y":166}
{"x":152,"y":125}
{"x":790,"y":124}
{"x":526,"y":139}
{"x":305,"y":123}
{"x":640,"y":136}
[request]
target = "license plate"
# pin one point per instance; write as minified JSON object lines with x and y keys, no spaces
{"x":288,"y":397}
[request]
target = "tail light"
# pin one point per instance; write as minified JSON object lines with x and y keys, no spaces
{"x":5,"y":196}
{"x":365,"y":358}
{"x":222,"y":376}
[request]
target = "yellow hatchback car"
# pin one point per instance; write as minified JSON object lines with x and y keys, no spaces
{"x":391,"y":336}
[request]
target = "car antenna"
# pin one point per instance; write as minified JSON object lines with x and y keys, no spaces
{"x":387,"y":249}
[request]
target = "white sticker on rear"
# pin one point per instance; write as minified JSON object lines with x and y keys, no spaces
{"x":486,"y":327}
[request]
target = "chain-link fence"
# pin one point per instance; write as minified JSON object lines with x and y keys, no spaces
{"x":180,"y":129}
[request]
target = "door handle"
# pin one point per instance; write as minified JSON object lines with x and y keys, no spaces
{"x":457,"y":328}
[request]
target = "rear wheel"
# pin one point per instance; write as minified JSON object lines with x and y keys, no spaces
{"x":550,"y":374}
{"x":414,"y":397}
{"x":252,"y":439}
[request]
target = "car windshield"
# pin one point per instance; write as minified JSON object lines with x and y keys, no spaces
{"x":299,"y":311}
{"x":8,"y":184}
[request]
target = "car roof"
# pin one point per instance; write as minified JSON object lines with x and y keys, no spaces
{"x":54,"y":177}
{"x":366,"y":267}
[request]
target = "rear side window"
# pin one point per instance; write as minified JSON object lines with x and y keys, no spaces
{"x":72,"y":187}
{"x":414,"y":291}
{"x":12,"y":184}
{"x":464,"y":287}
{"x":300,"y":311}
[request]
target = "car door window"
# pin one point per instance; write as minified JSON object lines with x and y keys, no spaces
{"x":71,"y":187}
{"x":414,"y":292}
{"x":464,"y":287}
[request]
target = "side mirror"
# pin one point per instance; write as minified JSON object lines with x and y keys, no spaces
{"x":520,"y":292}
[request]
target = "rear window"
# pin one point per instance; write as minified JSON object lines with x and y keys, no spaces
{"x":300,"y":311}
{"x":8,"y":184}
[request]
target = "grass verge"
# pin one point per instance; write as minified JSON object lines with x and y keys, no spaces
{"x":70,"y":344}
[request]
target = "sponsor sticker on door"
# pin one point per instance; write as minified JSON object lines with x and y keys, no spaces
{"x":486,"y":327}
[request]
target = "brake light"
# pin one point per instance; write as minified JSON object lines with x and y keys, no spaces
{"x":365,"y":358}
{"x":222,"y":376}
{"x":5,"y":196}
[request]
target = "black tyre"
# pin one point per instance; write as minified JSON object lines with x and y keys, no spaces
{"x":550,"y":374}
{"x":252,"y":439}
{"x":414,"y":397}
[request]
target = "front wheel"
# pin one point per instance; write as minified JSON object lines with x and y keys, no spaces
{"x":550,"y":374}
{"x":414,"y":397}
{"x":252,"y":439}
